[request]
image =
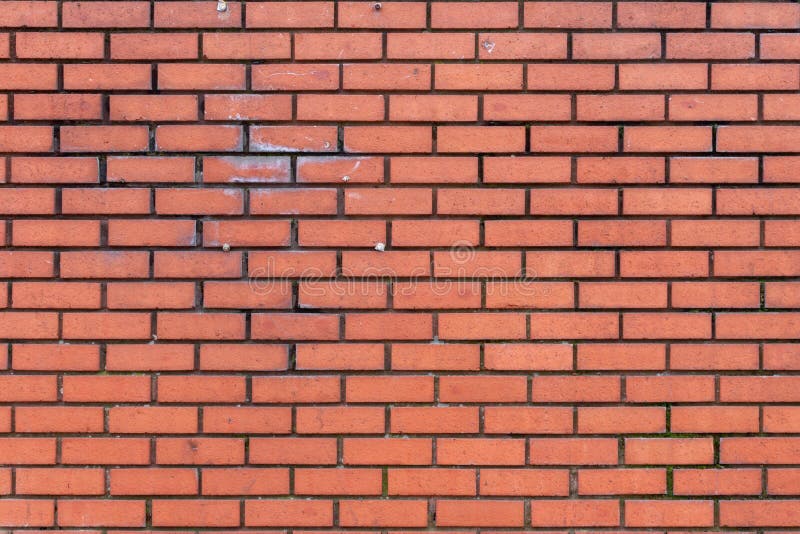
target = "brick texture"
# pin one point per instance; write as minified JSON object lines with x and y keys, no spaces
{"x":301,"y":266}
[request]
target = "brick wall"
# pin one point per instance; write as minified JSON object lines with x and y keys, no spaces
{"x":448,"y":265}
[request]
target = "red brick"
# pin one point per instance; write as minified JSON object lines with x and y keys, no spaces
{"x":337,"y":46}
{"x":132,"y":232}
{"x":155,"y":420}
{"x":668,"y":451}
{"x":69,"y":295}
{"x":761,"y":388}
{"x":303,"y":451}
{"x":291,"y":326}
{"x":779,"y":46}
{"x":754,"y":15}
{"x":204,"y":513}
{"x":104,"y":138}
{"x":389,"y":15}
{"x":27,"y":139}
{"x":30,"y":14}
{"x":474,"y":15}
{"x":522,"y":357}
{"x":58,"y":419}
{"x":208,"y":451}
{"x":257,"y":46}
{"x":47,"y":357}
{"x":150,"y":169}
{"x":516,"y":46}
{"x":574,"y":138}
{"x":216,"y":326}
{"x":567,"y":15}
{"x":563,"y":513}
{"x":283,"y":512}
{"x":725,"y":419}
{"x":65,"y":481}
{"x":517,"y":420}
{"x":221,"y":357}
{"x":53,"y":170}
{"x":105,"y":201}
{"x":780,"y":419}
{"x":623,"y":481}
{"x":573,"y":451}
{"x":162,"y":481}
{"x":620,"y":170}
{"x":131,"y":357}
{"x":74,"y":45}
{"x":106,"y":388}
{"x":619,"y":46}
{"x":574,"y":325}
{"x":245,"y":481}
{"x":191,"y":15}
{"x":482,"y":77}
{"x":670,"y":388}
{"x":29,"y":325}
{"x":719,"y":356}
{"x":106,"y":14}
{"x":428,"y":108}
{"x":673,"y":513}
{"x":717,"y":482}
{"x":101,"y":512}
{"x":349,"y":481}
{"x":94,"y":451}
{"x":362,"y":76}
{"x":661,"y":76}
{"x":782,"y":481}
{"x":750,"y":513}
{"x":293,"y":138}
{"x":620,"y":107}
{"x":388,"y":201}
{"x":153,"y":108}
{"x":709,"y":107}
{"x":290,"y":15}
{"x":198,"y":201}
{"x":567,"y":76}
{"x":301,"y":77}
{"x":757,"y":77}
{"x":246,"y":233}
{"x":431,"y":481}
{"x":621,"y":233}
{"x":100,"y":76}
{"x":185,"y":138}
{"x":248,"y":107}
{"x":32,"y":451}
{"x":57,"y":107}
{"x":27,"y":513}
{"x":661,"y":15}
{"x":439,"y":45}
{"x":710,"y":45}
{"x":47,"y":233}
{"x":395,"y":451}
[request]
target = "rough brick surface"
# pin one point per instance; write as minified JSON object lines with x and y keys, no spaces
{"x":305,"y":266}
